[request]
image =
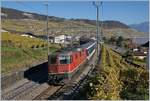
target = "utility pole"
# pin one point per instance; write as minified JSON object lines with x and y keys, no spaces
{"x":47,"y":18}
{"x":96,"y":4}
{"x":101,"y":24}
{"x":47,"y":30}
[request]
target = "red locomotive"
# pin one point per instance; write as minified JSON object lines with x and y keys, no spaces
{"x":64,"y":64}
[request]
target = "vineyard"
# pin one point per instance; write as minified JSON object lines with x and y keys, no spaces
{"x":116,"y":79}
{"x":15,"y":40}
{"x":19,"y":52}
{"x":55,"y":26}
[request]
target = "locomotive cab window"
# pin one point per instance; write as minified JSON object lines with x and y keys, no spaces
{"x":53,"y":59}
{"x":64,"y":59}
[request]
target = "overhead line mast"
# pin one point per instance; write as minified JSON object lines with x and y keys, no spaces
{"x":97,"y":4}
{"x":47,"y":19}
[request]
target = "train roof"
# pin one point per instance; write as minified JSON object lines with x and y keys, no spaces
{"x":69,"y":50}
{"x":87,"y":44}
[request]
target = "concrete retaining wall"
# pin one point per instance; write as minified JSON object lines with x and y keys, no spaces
{"x":11,"y":78}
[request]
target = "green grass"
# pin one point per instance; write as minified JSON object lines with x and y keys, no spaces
{"x":17,"y":52}
{"x":139,"y":62}
{"x":16,"y":58}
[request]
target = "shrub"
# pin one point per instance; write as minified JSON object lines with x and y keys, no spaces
{"x":32,"y":46}
{"x":42,"y":45}
{"x":37,"y":46}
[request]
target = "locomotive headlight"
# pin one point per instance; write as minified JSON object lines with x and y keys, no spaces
{"x":79,"y":49}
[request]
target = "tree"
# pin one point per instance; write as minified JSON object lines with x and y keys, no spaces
{"x":135,"y":85}
{"x":105,"y":39}
{"x":119,"y":41}
{"x":112,"y":40}
{"x":37,"y":46}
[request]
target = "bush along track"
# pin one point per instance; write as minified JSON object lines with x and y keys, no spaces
{"x":116,"y":79}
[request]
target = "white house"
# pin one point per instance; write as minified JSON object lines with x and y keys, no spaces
{"x":59,"y":39}
{"x":68,"y":37}
{"x":63,"y":39}
{"x":139,"y":55}
{"x":135,"y":49}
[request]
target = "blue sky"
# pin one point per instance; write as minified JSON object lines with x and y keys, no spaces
{"x":129,"y":12}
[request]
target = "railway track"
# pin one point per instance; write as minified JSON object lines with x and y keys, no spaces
{"x":13,"y":93}
{"x":130,"y":62}
{"x":21,"y":91}
{"x":48,"y":92}
{"x":69,"y":90}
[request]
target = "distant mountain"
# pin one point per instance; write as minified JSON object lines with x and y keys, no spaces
{"x":142,"y":27}
{"x":9,"y":13}
{"x":109,"y":24}
{"x":22,"y":22}
{"x":146,"y":44}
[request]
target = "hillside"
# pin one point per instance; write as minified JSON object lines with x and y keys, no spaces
{"x":110,"y":24}
{"x":9,"y":13}
{"x":19,"y":21}
{"x":116,"y":79}
{"x":19,"y":52}
{"x":16,"y":14}
{"x":127,"y":33}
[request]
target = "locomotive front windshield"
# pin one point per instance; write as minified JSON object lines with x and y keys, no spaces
{"x":64,"y":59}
